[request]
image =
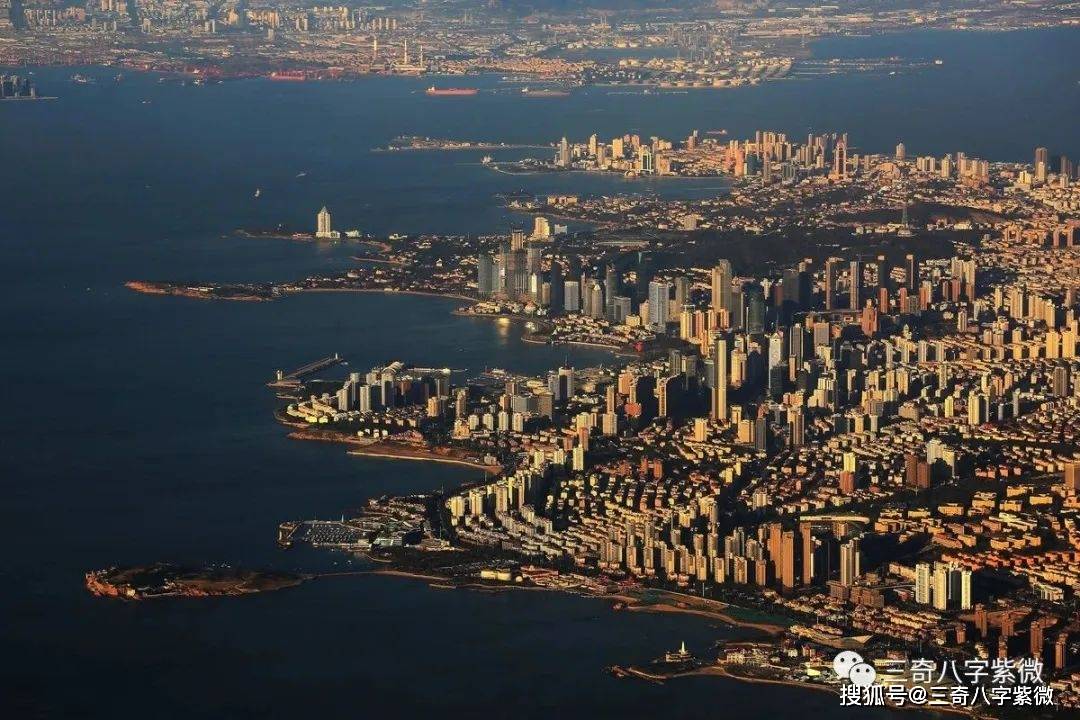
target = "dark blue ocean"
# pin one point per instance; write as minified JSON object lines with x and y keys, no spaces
{"x":138,"y":428}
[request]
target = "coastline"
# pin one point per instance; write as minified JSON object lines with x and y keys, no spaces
{"x":459,"y":148}
{"x":391,"y":450}
{"x":671,"y":604}
{"x":424,"y":458}
{"x":721,"y":671}
{"x":389,"y":291}
{"x":534,"y":339}
{"x":144,"y":287}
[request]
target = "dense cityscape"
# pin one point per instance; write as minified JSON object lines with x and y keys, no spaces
{"x":871,"y":446}
{"x":719,"y":44}
{"x":535,"y":357}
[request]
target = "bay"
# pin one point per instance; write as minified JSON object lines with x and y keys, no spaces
{"x":138,"y":428}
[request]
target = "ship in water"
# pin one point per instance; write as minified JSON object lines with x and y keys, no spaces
{"x":450,"y":91}
{"x":544,"y":92}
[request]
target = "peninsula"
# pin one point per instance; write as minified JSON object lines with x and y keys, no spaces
{"x":144,"y":582}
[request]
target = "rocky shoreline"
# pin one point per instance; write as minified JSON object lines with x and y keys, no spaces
{"x":143,"y":582}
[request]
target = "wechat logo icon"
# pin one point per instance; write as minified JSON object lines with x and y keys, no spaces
{"x":844,"y":662}
{"x":850,"y":665}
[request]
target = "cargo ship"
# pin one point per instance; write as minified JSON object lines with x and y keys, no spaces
{"x":451,"y":91}
{"x":544,"y":92}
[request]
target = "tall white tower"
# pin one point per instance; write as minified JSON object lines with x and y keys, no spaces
{"x":322,"y":226}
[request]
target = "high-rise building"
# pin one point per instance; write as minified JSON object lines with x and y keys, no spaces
{"x":755,"y":309}
{"x":901,"y":152}
{"x":809,"y":553}
{"x":789,"y":559}
{"x":797,"y":421}
{"x":572,"y":296}
{"x":795,"y":288}
{"x":1042,"y":156}
{"x":561,"y":384}
{"x":941,"y":583}
{"x":912,"y":272}
{"x":682,"y":291}
{"x":850,"y":562}
{"x":486,"y":275}
{"x":557,"y":289}
{"x":855,"y":285}
{"x":720,"y":381}
{"x":946,"y":586}
{"x":517,"y":238}
{"x":1060,"y":381}
{"x":721,"y":286}
{"x":965,"y":589}
{"x":840,"y":161}
{"x":659,"y":300}
{"x":830,"y":282}
{"x":323,"y":229}
{"x":1072,"y":476}
{"x":923,"y":587}
{"x":594,"y":307}
{"x":564,"y":153}
{"x":541,"y":228}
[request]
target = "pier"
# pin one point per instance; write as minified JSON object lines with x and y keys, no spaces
{"x":291,"y":379}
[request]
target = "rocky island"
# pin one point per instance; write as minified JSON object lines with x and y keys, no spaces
{"x":142,"y":582}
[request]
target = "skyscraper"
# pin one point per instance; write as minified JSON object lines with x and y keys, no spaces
{"x":755,"y":309}
{"x":830,"y":283}
{"x":912,"y":272}
{"x":720,"y":382}
{"x":923,"y":589}
{"x":951,"y":587}
{"x":513,"y":261}
{"x":856,"y":284}
{"x":840,"y":161}
{"x":659,"y":297}
{"x":721,"y":286}
{"x":850,"y":562}
{"x":883,"y":271}
{"x":564,"y":153}
{"x":572,"y":296}
{"x":561,"y":384}
{"x":1042,"y":155}
{"x":788,"y":558}
{"x":594,"y":306}
{"x":485,"y":274}
{"x":323,"y":228}
{"x":557,"y":297}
